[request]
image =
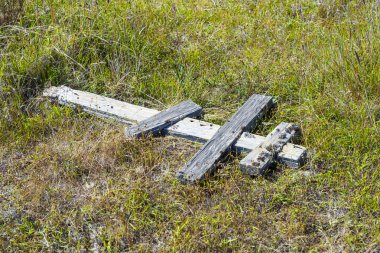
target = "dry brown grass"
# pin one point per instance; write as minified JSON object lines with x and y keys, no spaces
{"x":10,"y":11}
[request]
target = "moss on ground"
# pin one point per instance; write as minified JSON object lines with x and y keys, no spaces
{"x":72,"y":182}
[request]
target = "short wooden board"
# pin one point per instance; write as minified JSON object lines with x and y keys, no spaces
{"x":262,"y":157}
{"x":155,"y":124}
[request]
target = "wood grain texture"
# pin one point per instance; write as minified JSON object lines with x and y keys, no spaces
{"x":262,"y":157}
{"x":155,"y":124}
{"x":246,"y":118}
{"x":192,"y":129}
{"x":100,"y":105}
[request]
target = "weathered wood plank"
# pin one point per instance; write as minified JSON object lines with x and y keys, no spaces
{"x":99,"y":105}
{"x":246,"y":118}
{"x":192,"y":129}
{"x":262,"y":157}
{"x":201,"y":131}
{"x":155,"y":124}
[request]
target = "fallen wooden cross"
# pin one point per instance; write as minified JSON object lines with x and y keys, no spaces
{"x":196,"y":130}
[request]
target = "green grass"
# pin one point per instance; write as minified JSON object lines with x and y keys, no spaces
{"x":72,"y":182}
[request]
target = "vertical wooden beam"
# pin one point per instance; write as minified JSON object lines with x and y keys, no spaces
{"x":246,"y":118}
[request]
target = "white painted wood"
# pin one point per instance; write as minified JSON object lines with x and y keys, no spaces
{"x":192,"y":129}
{"x":292,"y":155}
{"x":100,"y":105}
{"x":201,"y":131}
